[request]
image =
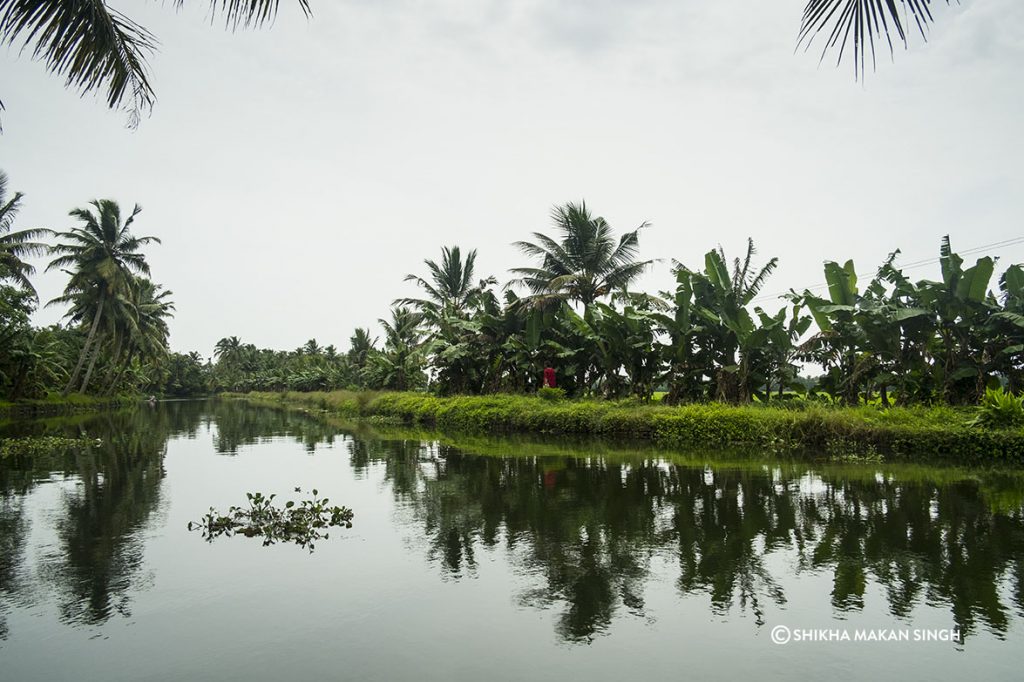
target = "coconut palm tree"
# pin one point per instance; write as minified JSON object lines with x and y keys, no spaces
{"x":451,"y":288}
{"x":360,"y":346}
{"x":400,"y":365}
{"x":142,"y":329}
{"x":96,"y":47}
{"x":227,"y":348}
{"x":105,"y":256}
{"x":14,"y":246}
{"x":584,"y":262}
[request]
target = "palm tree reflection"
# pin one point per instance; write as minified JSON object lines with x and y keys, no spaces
{"x":587,"y":529}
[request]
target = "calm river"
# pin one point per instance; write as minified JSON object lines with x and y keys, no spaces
{"x":495,"y":559}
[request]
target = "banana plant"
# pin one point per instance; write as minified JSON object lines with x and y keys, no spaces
{"x":684,"y":360}
{"x":621,"y":344}
{"x":728,"y":332}
{"x":961,"y":351}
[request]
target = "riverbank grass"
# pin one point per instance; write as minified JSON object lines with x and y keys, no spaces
{"x":55,"y":403}
{"x":896,"y":432}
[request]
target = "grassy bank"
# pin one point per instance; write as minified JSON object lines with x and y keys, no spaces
{"x":56,"y":404}
{"x":905,"y":433}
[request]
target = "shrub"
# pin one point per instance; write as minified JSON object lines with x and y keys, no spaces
{"x":551,"y":394}
{"x":999,"y":409}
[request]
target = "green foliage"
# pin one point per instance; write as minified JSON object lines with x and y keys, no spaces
{"x":924,"y":342}
{"x":108,"y":291}
{"x":551,"y":394}
{"x":116,"y":338}
{"x":584,"y":263}
{"x":302,"y":524}
{"x":184,"y":375}
{"x":1000,"y":409}
{"x":889,"y":342}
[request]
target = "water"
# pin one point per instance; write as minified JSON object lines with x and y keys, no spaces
{"x":496,"y":559}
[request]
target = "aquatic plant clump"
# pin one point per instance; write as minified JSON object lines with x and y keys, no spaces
{"x":42,"y":445}
{"x":301,"y":524}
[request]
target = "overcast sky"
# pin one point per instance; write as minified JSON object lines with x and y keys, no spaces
{"x":296,"y":173}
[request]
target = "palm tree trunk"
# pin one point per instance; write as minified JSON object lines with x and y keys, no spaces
{"x":86,"y":347}
{"x":115,"y":358}
{"x":120,"y":372}
{"x":92,"y":364}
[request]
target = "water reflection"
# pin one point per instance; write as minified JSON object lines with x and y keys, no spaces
{"x":588,"y":529}
{"x":239,"y":425}
{"x":585,"y":529}
{"x":107,"y":494}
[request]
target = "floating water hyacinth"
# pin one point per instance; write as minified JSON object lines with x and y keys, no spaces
{"x":301,"y":524}
{"x":43,"y":445}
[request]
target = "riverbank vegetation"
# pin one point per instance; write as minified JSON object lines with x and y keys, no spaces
{"x":835,"y":432}
{"x":714,"y":337}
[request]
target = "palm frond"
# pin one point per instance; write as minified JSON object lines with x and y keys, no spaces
{"x":621,"y":277}
{"x":87,"y":42}
{"x":629,"y":246}
{"x":247,"y":13}
{"x":754,"y":288}
{"x":9,"y":209}
{"x":97,"y":47}
{"x":858,"y":23}
{"x":551,"y":251}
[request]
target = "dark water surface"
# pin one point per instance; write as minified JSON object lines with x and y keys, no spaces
{"x":497,"y":559}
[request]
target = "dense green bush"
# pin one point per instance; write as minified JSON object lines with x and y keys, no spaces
{"x":1000,"y":409}
{"x":551,"y":394}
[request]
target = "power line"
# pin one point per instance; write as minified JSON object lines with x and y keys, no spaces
{"x":915,"y":264}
